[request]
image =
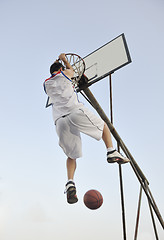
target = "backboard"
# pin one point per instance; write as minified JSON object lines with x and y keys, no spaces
{"x":105,"y":60}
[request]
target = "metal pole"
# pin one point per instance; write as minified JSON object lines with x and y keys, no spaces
{"x":141,"y":177}
{"x":111,"y":99}
{"x":122,"y":202}
{"x":152,"y":216}
{"x":120,"y":168}
{"x":138,"y":214}
{"x":153,"y":221}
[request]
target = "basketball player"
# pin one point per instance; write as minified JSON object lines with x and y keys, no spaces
{"x":70,"y":118}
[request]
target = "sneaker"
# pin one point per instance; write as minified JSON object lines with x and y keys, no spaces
{"x":71,"y":192}
{"x":115,"y":156}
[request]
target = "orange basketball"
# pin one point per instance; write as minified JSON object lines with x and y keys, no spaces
{"x":93,"y":199}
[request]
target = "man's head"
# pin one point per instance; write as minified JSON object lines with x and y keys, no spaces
{"x":56,"y":66}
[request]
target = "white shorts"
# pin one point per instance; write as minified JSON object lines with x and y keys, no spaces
{"x":69,"y":127}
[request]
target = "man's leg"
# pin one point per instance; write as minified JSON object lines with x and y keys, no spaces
{"x":112,"y":155}
{"x":70,"y":186}
{"x":107,"y":137}
{"x":71,"y":167}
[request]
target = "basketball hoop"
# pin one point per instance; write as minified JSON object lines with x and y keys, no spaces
{"x":78,"y":65}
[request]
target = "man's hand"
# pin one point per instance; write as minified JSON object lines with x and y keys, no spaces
{"x":69,"y":69}
{"x":62,"y":57}
{"x":66,"y":63}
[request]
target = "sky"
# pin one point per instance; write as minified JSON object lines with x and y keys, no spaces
{"x":32,"y":165}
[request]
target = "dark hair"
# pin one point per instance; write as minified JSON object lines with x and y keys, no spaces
{"x":55,"y":67}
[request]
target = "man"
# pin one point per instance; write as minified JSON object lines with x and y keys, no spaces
{"x":71,"y":117}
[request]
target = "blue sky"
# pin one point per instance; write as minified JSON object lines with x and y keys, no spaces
{"x":32,"y":166}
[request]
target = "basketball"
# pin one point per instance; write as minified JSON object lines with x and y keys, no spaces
{"x":93,"y":199}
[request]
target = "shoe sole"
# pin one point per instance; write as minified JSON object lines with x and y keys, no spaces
{"x":118,"y":160}
{"x":71,"y":196}
{"x":72,"y":200}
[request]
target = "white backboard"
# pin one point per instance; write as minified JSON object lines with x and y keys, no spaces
{"x":107,"y":59}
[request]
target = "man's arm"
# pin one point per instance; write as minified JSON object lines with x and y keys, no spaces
{"x":69,"y":69}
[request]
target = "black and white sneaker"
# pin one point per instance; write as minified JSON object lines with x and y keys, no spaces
{"x":71,"y":192}
{"x":115,"y":156}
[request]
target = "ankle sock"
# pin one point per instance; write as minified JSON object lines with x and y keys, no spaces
{"x":70,"y":180}
{"x":110,"y":149}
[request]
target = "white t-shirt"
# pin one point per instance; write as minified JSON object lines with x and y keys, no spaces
{"x":63,"y":95}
